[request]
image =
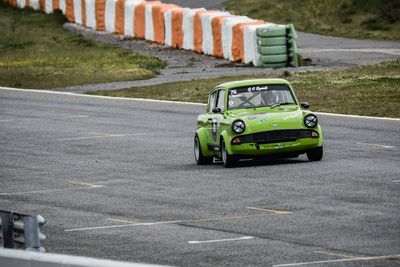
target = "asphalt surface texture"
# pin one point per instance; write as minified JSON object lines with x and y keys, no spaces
{"x":116,"y":179}
{"x":321,"y":53}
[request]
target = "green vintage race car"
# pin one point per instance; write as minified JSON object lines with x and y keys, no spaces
{"x":246,"y":119}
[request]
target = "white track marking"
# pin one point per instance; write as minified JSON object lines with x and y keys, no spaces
{"x":121,"y":226}
{"x":128,"y":223}
{"x":106,"y":135}
{"x":356,"y":116}
{"x":93,"y":137}
{"x":277,"y":212}
{"x":1,"y":121}
{"x":99,"y":96}
{"x":335,"y":254}
{"x":75,"y":116}
{"x":375,"y":145}
{"x":174,"y":102}
{"x":340,"y":260}
{"x":396,"y":182}
{"x":221,"y":240}
{"x":82,"y":186}
{"x":388,"y":51}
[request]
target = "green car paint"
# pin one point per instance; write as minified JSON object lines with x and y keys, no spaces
{"x":274,"y":123}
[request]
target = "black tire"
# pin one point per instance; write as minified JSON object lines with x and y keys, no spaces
{"x":227,"y":160}
{"x":315,"y":154}
{"x":272,"y":50}
{"x":282,"y":58}
{"x":273,"y":65}
{"x":198,"y":154}
{"x":277,"y":31}
{"x":271,"y":41}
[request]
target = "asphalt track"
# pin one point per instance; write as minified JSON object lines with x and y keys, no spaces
{"x":116,"y":179}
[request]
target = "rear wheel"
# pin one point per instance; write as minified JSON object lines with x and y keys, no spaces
{"x":198,"y":154}
{"x":315,"y":154}
{"x":228,"y":160}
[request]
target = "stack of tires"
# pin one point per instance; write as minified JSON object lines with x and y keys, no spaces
{"x":276,"y":46}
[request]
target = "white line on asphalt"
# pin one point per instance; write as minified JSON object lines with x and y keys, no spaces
{"x":100,"y":96}
{"x":396,"y":181}
{"x":132,"y":223}
{"x":1,"y":121}
{"x":121,"y":225}
{"x":75,"y":116}
{"x":341,"y":255}
{"x":221,"y":240}
{"x":362,"y":50}
{"x":356,"y":116}
{"x":277,"y":212}
{"x":93,"y":137}
{"x":175,"y":102}
{"x":106,"y":135}
{"x":375,"y":145}
{"x":340,"y":260}
{"x":82,"y":186}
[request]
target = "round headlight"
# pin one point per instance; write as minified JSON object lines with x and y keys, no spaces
{"x":310,"y":120}
{"x":238,"y":126}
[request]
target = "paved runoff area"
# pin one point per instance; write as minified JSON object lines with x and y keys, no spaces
{"x":116,"y":179}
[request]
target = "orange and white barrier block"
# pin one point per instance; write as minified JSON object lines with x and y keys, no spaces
{"x":129,"y":18}
{"x":211,"y":32}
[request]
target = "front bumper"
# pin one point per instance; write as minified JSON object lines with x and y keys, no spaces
{"x":255,"y":149}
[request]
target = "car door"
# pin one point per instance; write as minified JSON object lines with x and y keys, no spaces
{"x":216,"y":118}
{"x":207,"y":118}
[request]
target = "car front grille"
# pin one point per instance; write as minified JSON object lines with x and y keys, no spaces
{"x":275,"y":136}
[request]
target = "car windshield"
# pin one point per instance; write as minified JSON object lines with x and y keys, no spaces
{"x":260,"y":96}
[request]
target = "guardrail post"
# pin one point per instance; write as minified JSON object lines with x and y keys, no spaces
{"x":7,"y":229}
{"x":33,"y":236}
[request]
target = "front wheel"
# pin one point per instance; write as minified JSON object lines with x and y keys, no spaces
{"x":228,"y":160}
{"x":198,"y":154}
{"x":315,"y":154}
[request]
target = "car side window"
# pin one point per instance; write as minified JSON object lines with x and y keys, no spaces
{"x":211,"y":101}
{"x":221,"y":100}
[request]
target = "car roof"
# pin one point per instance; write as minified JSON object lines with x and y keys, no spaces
{"x":234,"y":84}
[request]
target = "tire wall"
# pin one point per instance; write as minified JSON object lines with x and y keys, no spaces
{"x":276,"y":46}
{"x":215,"y":33}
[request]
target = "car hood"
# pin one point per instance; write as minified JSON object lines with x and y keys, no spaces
{"x":267,"y":119}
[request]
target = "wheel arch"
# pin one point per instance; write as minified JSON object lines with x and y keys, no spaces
{"x":203,"y":139}
{"x":224,"y":136}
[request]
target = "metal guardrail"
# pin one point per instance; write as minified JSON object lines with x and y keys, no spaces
{"x":19,"y":258}
{"x":21,"y":231}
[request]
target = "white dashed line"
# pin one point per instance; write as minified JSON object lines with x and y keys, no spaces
{"x":93,"y":137}
{"x":221,"y":240}
{"x":375,"y":145}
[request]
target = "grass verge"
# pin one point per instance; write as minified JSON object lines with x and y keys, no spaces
{"x":370,"y":90}
{"x":36,"y":52}
{"x":366,"y":19}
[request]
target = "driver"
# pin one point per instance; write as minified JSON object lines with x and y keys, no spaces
{"x":269,"y":98}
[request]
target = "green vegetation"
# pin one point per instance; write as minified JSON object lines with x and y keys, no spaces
{"x":372,"y":19}
{"x":372,"y":90}
{"x":36,"y":52}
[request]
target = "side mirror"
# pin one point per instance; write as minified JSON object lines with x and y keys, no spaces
{"x":216,"y":110}
{"x":305,"y":105}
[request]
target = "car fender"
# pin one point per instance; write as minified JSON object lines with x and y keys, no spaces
{"x":203,"y":138}
{"x":321,"y":139}
{"x":227,"y":139}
